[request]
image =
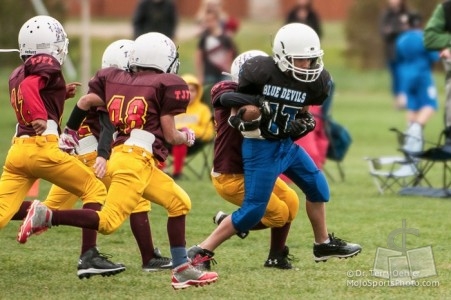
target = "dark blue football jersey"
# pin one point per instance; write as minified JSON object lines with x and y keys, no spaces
{"x":286,"y":95}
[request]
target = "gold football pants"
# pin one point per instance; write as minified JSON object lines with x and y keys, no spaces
{"x":39,"y":157}
{"x":283,"y":204}
{"x":134,"y":175}
{"x":59,"y":199}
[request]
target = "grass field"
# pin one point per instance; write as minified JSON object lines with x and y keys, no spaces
{"x":45,"y":267}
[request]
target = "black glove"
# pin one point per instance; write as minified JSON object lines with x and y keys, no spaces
{"x":309,"y":120}
{"x":302,"y":125}
{"x":237,"y":123}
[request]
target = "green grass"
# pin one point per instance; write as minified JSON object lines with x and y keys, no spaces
{"x":45,"y":267}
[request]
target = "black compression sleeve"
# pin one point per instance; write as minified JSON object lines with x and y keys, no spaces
{"x":106,"y":135}
{"x":76,"y":118}
{"x":233,"y":99}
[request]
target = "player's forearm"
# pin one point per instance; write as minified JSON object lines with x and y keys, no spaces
{"x":233,"y":99}
{"x":106,"y":135}
{"x":81,"y":109}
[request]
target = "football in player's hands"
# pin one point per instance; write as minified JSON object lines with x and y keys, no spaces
{"x":251,"y":112}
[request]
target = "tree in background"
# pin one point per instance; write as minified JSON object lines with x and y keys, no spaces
{"x":13,"y":14}
{"x":365,"y":48}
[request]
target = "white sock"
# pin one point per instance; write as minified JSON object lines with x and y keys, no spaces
{"x":325,"y":242}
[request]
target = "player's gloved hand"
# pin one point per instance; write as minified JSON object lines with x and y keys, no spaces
{"x":190,"y":136}
{"x":297,"y":128}
{"x":237,"y":122}
{"x":68,"y":140}
{"x":309,"y":120}
{"x":301,"y":126}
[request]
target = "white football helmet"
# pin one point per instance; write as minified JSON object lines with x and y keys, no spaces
{"x":155,"y":50}
{"x":241,"y":59}
{"x":117,"y":54}
{"x":298,"y":41}
{"x":43,"y":34}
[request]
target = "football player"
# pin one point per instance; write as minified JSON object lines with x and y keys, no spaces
{"x":228,"y":178}
{"x":141,"y":105}
{"x":37,"y":93}
{"x":290,"y":81}
{"x":94,"y":149}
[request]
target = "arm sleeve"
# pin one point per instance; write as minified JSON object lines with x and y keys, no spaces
{"x":33,"y":104}
{"x":106,"y":135}
{"x":220,"y":88}
{"x":233,"y":99}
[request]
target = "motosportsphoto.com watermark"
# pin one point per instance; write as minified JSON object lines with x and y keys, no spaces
{"x":397,"y":266}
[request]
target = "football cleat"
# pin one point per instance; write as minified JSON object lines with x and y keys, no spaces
{"x":201,"y":258}
{"x":158,"y":262}
{"x":280,"y":260}
{"x":335,"y":248}
{"x":186,"y":275}
{"x":220,"y":215}
{"x":92,"y":262}
{"x":37,"y":220}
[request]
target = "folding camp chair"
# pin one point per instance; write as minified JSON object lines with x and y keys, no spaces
{"x":197,"y":163}
{"x":200,"y":163}
{"x":391,"y":172}
{"x":427,"y":159}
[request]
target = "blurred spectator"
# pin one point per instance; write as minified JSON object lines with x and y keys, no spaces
{"x":231,"y":26}
{"x":198,"y":117}
{"x":303,"y":12}
{"x":155,"y":16}
{"x":215,"y":50}
{"x":416,"y":82}
{"x":437,"y":36}
{"x":391,"y":26}
{"x":228,"y":22}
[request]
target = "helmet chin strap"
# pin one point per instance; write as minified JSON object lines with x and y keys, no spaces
{"x":175,"y":64}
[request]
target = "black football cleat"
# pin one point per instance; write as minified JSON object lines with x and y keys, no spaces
{"x":280,"y":260}
{"x":335,"y":248}
{"x":92,"y":262}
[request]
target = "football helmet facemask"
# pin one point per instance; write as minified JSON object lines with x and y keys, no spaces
{"x":155,"y":50}
{"x":241,"y":59}
{"x":43,"y":34}
{"x":117,"y":54}
{"x":298,"y":41}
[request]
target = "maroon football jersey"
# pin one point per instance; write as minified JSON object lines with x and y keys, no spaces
{"x":51,"y":95}
{"x":227,"y":148}
{"x":137,"y":100}
{"x":90,"y":125}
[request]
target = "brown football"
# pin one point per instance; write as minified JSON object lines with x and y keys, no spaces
{"x":252,"y":113}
